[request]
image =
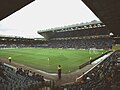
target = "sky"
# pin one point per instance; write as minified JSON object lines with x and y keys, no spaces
{"x":45,"y":14}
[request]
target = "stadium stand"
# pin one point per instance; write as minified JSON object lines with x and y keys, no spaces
{"x":98,"y":43}
{"x":19,"y":79}
{"x":79,"y":36}
{"x":116,"y":40}
{"x":19,"y":42}
{"x":104,"y":76}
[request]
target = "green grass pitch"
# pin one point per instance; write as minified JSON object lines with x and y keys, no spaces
{"x":47,"y":59}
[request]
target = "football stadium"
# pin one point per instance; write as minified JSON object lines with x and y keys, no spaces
{"x":83,"y":56}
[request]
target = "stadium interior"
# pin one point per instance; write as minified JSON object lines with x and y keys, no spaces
{"x":101,"y":35}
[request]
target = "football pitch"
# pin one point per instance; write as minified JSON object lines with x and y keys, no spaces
{"x":48,"y":59}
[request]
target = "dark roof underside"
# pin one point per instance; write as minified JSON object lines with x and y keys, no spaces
{"x":7,"y":7}
{"x":108,"y":11}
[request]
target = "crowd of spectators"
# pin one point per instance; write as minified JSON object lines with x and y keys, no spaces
{"x":105,"y":76}
{"x":98,"y":43}
{"x":97,"y":37}
{"x":30,"y":74}
{"x":10,"y":42}
{"x":80,"y":43}
{"x":20,"y":79}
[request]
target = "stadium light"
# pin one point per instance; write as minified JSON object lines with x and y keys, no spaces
{"x":111,"y":34}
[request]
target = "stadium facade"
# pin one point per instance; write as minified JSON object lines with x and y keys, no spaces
{"x":85,"y":35}
{"x":20,"y":42}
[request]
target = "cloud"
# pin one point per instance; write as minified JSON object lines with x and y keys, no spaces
{"x":43,"y":14}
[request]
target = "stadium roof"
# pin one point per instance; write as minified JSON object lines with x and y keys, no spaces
{"x":108,"y":11}
{"x":7,"y":7}
{"x":94,"y":22}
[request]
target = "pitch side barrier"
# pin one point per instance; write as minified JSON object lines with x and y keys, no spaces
{"x":102,"y":60}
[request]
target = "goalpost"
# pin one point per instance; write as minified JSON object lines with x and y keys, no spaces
{"x":93,"y":51}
